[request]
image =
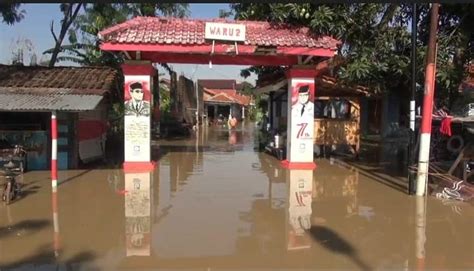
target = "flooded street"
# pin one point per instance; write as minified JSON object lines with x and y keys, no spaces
{"x":215,"y":203}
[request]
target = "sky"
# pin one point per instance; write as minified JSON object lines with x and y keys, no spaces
{"x":35,"y":27}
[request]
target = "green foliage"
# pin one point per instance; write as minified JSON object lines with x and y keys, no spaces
{"x":376,"y":40}
{"x":10,"y":13}
{"x":115,"y":117}
{"x":84,"y":43}
{"x":165,"y":100}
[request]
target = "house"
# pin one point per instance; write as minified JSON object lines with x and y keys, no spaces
{"x":337,"y":111}
{"x":79,"y":95}
{"x":223,"y":97}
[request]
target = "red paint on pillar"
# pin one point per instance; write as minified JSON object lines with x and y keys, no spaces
{"x":54,"y":170}
{"x":136,"y":167}
{"x":301,"y":73}
{"x":138,"y":69}
{"x":54,"y":128}
{"x":420,"y":264}
{"x":298,"y":165}
{"x":427,"y":116}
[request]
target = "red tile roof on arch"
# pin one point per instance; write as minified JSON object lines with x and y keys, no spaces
{"x":160,"y":30}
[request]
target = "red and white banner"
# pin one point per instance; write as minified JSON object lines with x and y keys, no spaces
{"x":301,"y":120}
{"x":92,"y":131}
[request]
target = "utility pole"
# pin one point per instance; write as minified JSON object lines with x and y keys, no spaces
{"x":196,"y":87}
{"x":411,"y":151}
{"x":423,"y":159}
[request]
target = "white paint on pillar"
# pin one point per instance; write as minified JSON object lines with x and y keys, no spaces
{"x":137,"y":127}
{"x":54,"y":149}
{"x":54,"y":185}
{"x":424,"y":155}
{"x":300,"y":126}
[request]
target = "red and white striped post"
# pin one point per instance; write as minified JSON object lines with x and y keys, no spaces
{"x":54,"y":151}
{"x":425,"y":138}
{"x":54,"y":180}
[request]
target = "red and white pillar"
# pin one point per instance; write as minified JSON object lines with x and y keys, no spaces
{"x":54,"y":180}
{"x":427,"y":115}
{"x":138,"y":167}
{"x":54,"y":151}
{"x":138,"y":114}
{"x":300,"y":123}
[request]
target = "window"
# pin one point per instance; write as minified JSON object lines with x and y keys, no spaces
{"x":335,"y":108}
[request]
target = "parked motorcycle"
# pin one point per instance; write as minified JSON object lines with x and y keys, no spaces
{"x":11,"y":189}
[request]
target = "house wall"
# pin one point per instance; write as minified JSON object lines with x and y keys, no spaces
{"x":174,"y":94}
{"x":371,"y":116}
{"x":32,"y":131}
{"x":344,"y":129}
{"x":279,"y":114}
{"x":236,"y":111}
{"x":187,"y":100}
{"x":390,"y":114}
{"x":29,"y":129}
{"x":92,"y":134}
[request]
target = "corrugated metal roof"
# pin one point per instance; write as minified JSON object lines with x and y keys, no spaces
{"x":60,"y":102}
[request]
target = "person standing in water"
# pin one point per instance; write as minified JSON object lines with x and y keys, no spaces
{"x":232,"y":122}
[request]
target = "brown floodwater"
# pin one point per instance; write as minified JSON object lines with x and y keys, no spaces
{"x":215,"y":203}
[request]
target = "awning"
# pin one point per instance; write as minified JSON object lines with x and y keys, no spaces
{"x":59,"y":102}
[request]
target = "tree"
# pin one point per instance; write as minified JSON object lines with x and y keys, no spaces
{"x":21,"y":49}
{"x":84,"y":43}
{"x":70,"y":12}
{"x":376,"y":41}
{"x":11,"y":14}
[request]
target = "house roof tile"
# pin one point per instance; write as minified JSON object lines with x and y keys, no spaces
{"x":160,"y":30}
{"x":56,"y":80}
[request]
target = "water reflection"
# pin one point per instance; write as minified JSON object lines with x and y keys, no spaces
{"x":300,"y":188}
{"x":420,"y":227}
{"x":138,"y":210}
{"x":211,"y":206}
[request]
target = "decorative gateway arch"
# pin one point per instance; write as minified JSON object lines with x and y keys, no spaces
{"x":145,"y":40}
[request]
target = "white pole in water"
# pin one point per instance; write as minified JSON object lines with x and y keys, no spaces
{"x":197,"y":105}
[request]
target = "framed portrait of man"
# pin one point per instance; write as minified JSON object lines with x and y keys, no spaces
{"x":138,"y":103}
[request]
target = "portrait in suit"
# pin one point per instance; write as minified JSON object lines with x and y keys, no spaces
{"x":304,"y":107}
{"x":137,"y":106}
